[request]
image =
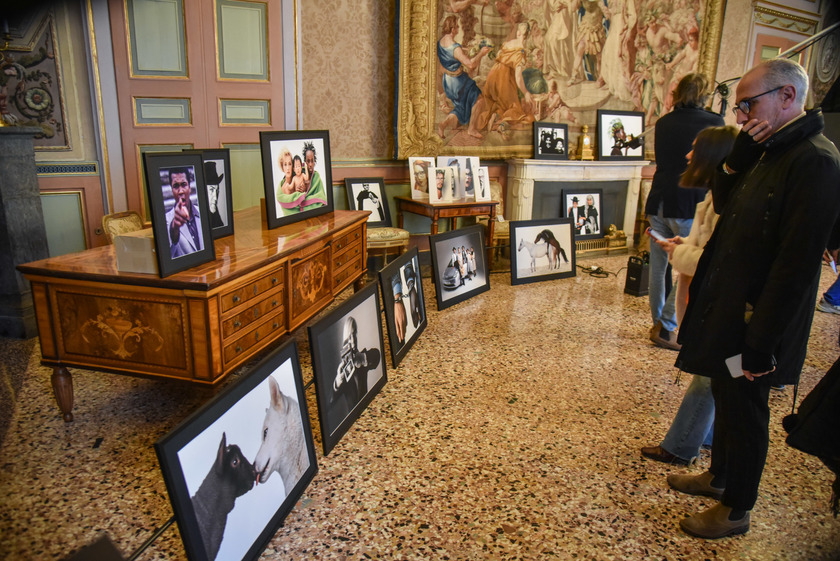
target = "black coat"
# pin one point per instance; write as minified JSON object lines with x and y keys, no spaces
{"x":675,"y":134}
{"x":762,"y":262}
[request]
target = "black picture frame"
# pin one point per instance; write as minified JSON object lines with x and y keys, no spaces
{"x":545,"y":250}
{"x":613,"y":145}
{"x":455,"y":283}
{"x":287,"y":208}
{"x":217,"y":174}
{"x":238,"y":424}
{"x":194,"y":245}
{"x":551,"y":141}
{"x":368,"y":193}
{"x":403,"y":274}
{"x":586,"y":218}
{"x":349,"y":335}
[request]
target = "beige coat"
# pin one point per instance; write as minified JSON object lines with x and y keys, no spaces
{"x":687,"y":254}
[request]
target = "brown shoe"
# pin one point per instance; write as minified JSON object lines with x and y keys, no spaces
{"x":660,"y":454}
{"x":714,"y":523}
{"x":695,"y":484}
{"x":665,"y":339}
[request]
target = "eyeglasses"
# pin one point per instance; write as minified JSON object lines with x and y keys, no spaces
{"x":744,"y":105}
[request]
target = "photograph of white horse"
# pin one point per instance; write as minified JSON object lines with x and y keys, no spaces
{"x":545,"y":250}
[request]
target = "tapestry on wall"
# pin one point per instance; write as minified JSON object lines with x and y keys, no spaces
{"x":474,"y":75}
{"x":30,"y":86}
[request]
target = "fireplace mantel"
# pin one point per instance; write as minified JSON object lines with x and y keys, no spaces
{"x":523,"y":174}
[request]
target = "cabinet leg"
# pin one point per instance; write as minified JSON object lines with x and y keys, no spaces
{"x":62,"y":383}
{"x":359,"y":284}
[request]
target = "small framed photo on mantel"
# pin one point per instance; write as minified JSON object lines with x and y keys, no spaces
{"x":616,"y":131}
{"x":551,"y":141}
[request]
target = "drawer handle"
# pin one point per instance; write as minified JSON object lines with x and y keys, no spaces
{"x":256,"y":336}
{"x":256,"y":313}
{"x":255,"y":290}
{"x":274,"y":325}
{"x":357,"y":235}
{"x":338,"y":263}
{"x":235,"y":298}
{"x":238,"y":349}
{"x":273,"y":280}
{"x":273,"y":303}
{"x":338,"y":246}
{"x":237,"y":324}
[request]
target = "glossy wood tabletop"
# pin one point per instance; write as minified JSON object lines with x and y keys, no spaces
{"x":250,"y":247}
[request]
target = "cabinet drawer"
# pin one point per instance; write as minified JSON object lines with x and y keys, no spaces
{"x":259,"y":310}
{"x":270,"y":328}
{"x":251,"y":290}
{"x":353,"y":251}
{"x":350,"y":271}
{"x":343,"y":241}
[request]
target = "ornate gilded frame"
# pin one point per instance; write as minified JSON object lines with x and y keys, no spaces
{"x":416,"y":80}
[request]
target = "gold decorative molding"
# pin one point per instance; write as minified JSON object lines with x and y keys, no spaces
{"x":785,"y":21}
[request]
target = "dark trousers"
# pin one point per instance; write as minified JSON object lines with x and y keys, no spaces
{"x":741,"y":438}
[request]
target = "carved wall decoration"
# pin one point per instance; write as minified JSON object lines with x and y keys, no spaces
{"x":540,"y":60}
{"x":30,"y":82}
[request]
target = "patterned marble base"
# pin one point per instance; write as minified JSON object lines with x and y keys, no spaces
{"x":510,"y":431}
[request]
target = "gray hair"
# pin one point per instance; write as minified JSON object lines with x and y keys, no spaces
{"x":782,"y":71}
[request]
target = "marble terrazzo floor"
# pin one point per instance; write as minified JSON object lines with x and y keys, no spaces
{"x":511,"y":430}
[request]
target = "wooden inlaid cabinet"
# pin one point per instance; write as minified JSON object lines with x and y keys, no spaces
{"x":200,"y":324}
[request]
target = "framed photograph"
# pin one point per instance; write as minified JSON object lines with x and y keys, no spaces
{"x":178,"y":200}
{"x":615,"y":131}
{"x":348,"y":362}
{"x":444,"y":186}
{"x":458,"y":166}
{"x":219,"y":190}
{"x":545,"y":250}
{"x":583,"y":207}
{"x":219,"y":464}
{"x":368,"y":193}
{"x":459,"y":265}
{"x":405,"y":307}
{"x":419,"y":170}
{"x":551,"y":141}
{"x":297,"y":175}
{"x":482,"y":185}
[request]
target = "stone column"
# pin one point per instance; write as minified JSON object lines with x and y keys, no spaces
{"x":23,"y":237}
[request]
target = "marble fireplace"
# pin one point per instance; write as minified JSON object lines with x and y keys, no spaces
{"x":535,"y":187}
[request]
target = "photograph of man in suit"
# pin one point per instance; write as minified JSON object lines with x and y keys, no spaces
{"x":215,"y":189}
{"x":183,"y":221}
{"x":577,"y":214}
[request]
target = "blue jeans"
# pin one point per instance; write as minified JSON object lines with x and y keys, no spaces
{"x":693,"y":426}
{"x":661,"y":310}
{"x":832,"y":295}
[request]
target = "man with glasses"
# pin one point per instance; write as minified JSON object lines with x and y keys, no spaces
{"x":751,"y":302}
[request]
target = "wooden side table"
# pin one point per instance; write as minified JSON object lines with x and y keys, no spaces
{"x":451,"y":210}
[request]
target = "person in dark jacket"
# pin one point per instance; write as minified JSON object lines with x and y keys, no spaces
{"x":751,"y":301}
{"x":670,"y":208}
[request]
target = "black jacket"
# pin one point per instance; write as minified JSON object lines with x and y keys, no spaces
{"x":757,"y":280}
{"x":675,"y":133}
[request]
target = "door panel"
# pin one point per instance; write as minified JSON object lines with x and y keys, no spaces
{"x":195,"y":73}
